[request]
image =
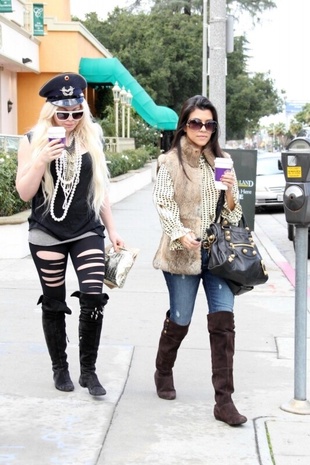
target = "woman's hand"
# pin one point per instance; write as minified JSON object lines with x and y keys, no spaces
{"x":51,"y":151}
{"x":190,"y":241}
{"x":117,"y":241}
{"x":228,"y":179}
{"x":31,"y":171}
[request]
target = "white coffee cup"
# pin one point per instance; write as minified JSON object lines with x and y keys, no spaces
{"x":221,"y":165}
{"x":56,"y":132}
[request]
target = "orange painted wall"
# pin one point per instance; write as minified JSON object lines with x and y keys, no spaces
{"x":60,"y":9}
{"x":60,"y":51}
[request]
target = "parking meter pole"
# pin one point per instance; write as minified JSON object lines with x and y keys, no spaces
{"x":299,"y":404}
{"x":301,"y":265}
{"x":296,"y":165}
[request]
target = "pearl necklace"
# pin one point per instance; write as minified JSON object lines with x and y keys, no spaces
{"x":68,"y":169}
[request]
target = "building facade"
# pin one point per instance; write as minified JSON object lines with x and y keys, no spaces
{"x":29,"y":57}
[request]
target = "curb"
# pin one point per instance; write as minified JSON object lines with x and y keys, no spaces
{"x":264,"y":448}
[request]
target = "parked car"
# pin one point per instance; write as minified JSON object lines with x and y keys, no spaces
{"x":270,"y":181}
{"x":304,"y":132}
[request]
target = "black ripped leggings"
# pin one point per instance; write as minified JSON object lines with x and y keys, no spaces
{"x":87,"y":256}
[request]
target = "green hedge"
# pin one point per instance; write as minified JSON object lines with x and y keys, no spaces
{"x":121,"y":163}
{"x":10,"y":202}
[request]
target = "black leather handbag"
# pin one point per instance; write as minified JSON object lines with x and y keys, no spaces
{"x":234,"y":256}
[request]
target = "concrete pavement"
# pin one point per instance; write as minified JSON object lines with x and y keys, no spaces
{"x":131,"y":425}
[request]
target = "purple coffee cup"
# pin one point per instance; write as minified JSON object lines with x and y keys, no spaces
{"x":57,"y":132}
{"x":222,"y":165}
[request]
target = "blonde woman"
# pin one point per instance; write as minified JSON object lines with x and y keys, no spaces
{"x":67,"y":182}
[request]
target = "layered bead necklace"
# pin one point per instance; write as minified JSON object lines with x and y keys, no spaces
{"x":68,"y":169}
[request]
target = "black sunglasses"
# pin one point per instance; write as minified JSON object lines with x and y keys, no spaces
{"x":63,"y":115}
{"x":197,"y":125}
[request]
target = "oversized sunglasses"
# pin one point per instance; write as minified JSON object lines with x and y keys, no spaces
{"x":63,"y":115}
{"x":197,"y":125}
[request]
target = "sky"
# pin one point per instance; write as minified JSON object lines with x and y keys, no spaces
{"x":278,"y":44}
{"x":102,"y":7}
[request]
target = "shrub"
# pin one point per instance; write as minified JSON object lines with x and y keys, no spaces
{"x":145,"y":136}
{"x":121,"y":163}
{"x":10,"y":202}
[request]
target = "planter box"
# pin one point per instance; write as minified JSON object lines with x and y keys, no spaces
{"x":14,"y":229}
{"x":14,"y":235}
{"x":129,"y":183}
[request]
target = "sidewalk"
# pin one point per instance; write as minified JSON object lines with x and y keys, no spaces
{"x":131,"y":425}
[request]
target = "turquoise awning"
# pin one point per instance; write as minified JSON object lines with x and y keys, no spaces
{"x":110,"y":70}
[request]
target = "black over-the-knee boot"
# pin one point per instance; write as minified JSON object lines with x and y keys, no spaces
{"x":54,"y":327}
{"x":90,"y":326}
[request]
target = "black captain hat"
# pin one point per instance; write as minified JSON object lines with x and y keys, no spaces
{"x":64,"y":90}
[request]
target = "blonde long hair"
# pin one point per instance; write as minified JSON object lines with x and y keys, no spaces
{"x":87,"y":134}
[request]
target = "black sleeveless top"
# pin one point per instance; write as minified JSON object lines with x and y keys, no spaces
{"x":80,"y":217}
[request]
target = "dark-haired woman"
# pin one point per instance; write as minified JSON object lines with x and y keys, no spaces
{"x":186,"y":198}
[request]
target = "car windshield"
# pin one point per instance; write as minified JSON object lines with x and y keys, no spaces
{"x":268,"y":166}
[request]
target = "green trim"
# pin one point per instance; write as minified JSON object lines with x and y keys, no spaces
{"x":110,"y":70}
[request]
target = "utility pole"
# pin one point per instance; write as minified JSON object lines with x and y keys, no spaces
{"x":217,"y":63}
{"x":205,"y":49}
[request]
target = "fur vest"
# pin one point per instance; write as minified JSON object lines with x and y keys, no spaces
{"x":187,"y":194}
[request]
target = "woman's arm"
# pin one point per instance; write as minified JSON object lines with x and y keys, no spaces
{"x":167,"y":208}
{"x":31,"y":171}
{"x":232,"y":210}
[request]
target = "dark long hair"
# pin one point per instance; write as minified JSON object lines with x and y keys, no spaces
{"x":202,"y":103}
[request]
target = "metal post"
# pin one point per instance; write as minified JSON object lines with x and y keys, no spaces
{"x":217,"y":67}
{"x":123,"y":119}
{"x":123,"y":98}
{"x":299,"y":404}
{"x":205,"y":49}
{"x":128,"y":104}
{"x":128,"y":120}
{"x":116,"y":94}
{"x":116,"y":118}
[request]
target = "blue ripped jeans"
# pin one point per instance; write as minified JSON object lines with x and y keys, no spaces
{"x":183,"y":291}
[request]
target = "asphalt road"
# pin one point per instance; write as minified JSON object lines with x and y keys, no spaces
{"x":274,"y":225}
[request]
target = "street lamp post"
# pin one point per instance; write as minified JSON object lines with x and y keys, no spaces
{"x":116,"y":95}
{"x":129,"y":100}
{"x":123,"y":97}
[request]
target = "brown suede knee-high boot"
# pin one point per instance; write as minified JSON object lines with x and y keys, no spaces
{"x":170,"y":340}
{"x":222,"y":342}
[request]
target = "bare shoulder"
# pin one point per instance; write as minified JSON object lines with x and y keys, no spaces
{"x":24,"y":149}
{"x":24,"y":143}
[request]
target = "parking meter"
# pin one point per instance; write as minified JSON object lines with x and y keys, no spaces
{"x":296,"y":167}
{"x":296,"y":199}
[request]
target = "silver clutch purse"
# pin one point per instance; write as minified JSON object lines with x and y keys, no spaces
{"x":118,"y":265}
